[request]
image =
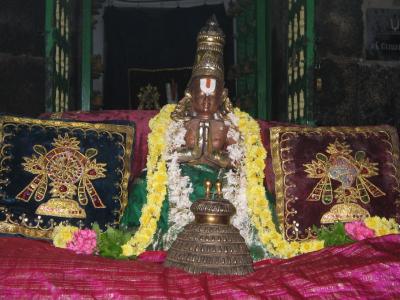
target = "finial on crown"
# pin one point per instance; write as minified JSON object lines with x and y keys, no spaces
{"x":210,"y":48}
{"x":211,"y":37}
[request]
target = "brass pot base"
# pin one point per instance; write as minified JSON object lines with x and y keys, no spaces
{"x":210,"y":248}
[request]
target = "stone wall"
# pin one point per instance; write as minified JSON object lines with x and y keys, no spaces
{"x":354,"y":91}
{"x":22,"y":73}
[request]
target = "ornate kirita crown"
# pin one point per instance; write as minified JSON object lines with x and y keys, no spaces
{"x":210,"y":48}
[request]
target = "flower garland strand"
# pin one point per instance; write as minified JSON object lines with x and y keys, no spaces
{"x":107,"y":243}
{"x":179,"y":186}
{"x":156,"y":184}
{"x":382,"y":226}
{"x":236,"y":183}
{"x":258,"y":209}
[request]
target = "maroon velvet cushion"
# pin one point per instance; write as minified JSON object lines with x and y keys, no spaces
{"x":265,"y":128}
{"x":326,"y":174}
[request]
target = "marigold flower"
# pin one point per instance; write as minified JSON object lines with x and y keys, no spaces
{"x":382,"y":226}
{"x":127,"y":250}
{"x":62,"y":234}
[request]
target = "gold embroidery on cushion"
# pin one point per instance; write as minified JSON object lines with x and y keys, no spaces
{"x":25,"y":226}
{"x":352,"y":173}
{"x":4,"y":157}
{"x":65,"y":167}
{"x":282,"y":161}
{"x":122,"y":135}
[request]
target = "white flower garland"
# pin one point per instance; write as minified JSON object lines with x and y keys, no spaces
{"x":235,"y":189}
{"x":180,"y":187}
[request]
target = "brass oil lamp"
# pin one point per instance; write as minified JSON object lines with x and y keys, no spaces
{"x":211,"y":244}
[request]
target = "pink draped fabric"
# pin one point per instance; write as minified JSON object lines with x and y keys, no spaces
{"x":35,"y":269}
{"x":142,"y":117}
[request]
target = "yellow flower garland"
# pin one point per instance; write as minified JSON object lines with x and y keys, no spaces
{"x":156,"y":184}
{"x":260,"y":214}
{"x":382,"y":226}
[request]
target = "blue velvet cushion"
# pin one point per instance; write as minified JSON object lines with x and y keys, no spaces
{"x":54,"y":171}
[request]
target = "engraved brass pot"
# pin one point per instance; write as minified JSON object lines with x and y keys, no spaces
{"x":211,"y":244}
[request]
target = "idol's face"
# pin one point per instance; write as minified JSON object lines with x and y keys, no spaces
{"x":206,"y":95}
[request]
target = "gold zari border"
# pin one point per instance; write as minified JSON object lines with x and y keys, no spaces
{"x":20,"y":229}
{"x":125,"y":131}
{"x":276,"y":134}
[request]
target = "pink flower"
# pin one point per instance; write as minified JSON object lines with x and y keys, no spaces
{"x":83,"y":242}
{"x":358,"y":230}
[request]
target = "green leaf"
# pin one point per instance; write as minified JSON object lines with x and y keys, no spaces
{"x":333,"y":235}
{"x":111,"y":240}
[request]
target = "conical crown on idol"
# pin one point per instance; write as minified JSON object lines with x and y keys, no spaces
{"x":210,"y":48}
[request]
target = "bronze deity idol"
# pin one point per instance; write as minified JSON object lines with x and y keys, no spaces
{"x":203,"y":123}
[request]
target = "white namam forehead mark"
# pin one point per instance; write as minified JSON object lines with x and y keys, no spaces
{"x":207,"y":85}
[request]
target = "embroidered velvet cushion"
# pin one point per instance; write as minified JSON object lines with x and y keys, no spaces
{"x":265,"y":128}
{"x":329,"y":174}
{"x":60,"y":171}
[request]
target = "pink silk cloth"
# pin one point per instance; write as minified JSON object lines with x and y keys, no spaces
{"x":142,"y":118}
{"x":369,"y":269}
